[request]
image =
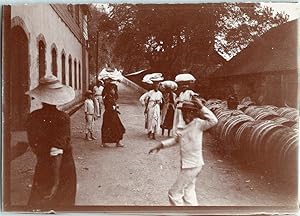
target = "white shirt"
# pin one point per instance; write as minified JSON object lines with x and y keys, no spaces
{"x":190,"y":139}
{"x":89,"y":106}
{"x":153,"y":96}
{"x":98,"y":90}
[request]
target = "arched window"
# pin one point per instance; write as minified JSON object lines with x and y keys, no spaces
{"x":63,"y":69}
{"x":79,"y":76}
{"x":75,"y":73}
{"x":42,"y":59}
{"x":70,"y":72}
{"x":54,"y":62}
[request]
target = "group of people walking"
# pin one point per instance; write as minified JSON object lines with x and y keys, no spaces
{"x":105,"y":93}
{"x":162,"y":104}
{"x":188,"y":118}
{"x":49,"y":135}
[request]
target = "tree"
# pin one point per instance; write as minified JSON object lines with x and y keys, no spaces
{"x":242,"y":24}
{"x":168,"y":38}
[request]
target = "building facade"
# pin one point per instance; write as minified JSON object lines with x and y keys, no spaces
{"x":266,"y":71}
{"x":46,"y":39}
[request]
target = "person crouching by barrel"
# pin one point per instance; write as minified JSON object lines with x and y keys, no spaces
{"x":232,"y":101}
{"x":197,"y":118}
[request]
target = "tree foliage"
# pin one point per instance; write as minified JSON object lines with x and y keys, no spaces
{"x":168,"y":38}
{"x":242,"y":24}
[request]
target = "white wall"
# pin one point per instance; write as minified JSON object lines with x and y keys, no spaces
{"x":42,"y":19}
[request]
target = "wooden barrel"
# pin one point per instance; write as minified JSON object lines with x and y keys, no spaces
{"x":265,"y":115}
{"x":248,"y":103}
{"x":242,"y":107}
{"x":231,"y":125}
{"x":222,"y":116}
{"x":245,"y":134}
{"x":288,"y":151}
{"x":288,"y":112}
{"x":270,"y":107}
{"x":273,"y":145}
{"x":295,"y":127}
{"x":260,"y":113}
{"x":240,"y":133}
{"x":213,"y":101}
{"x":258,"y":136}
{"x":285,"y":151}
{"x":293,"y":115}
{"x":284,"y":121}
{"x":215,"y":106}
{"x":220,"y":113}
{"x":221,"y":121}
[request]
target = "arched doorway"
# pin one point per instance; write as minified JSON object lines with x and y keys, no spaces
{"x":19,"y":78}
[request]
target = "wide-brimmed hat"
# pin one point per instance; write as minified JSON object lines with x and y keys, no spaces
{"x":51,"y":91}
{"x":195,"y":104}
{"x":189,"y":106}
{"x":186,"y":77}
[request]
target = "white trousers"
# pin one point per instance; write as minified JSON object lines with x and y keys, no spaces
{"x":183,"y":191}
{"x":98,"y":101}
{"x":89,"y":124}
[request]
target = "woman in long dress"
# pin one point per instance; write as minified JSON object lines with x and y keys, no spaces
{"x":152,"y":101}
{"x":112,"y":128}
{"x":54,"y":181}
{"x":168,"y":110}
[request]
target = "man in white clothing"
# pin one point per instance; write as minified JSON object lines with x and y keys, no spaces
{"x":97,"y":90}
{"x":198,"y":118}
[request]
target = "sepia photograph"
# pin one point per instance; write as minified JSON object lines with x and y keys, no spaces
{"x":165,"y":108}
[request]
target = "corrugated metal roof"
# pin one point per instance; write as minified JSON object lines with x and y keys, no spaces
{"x":275,"y":51}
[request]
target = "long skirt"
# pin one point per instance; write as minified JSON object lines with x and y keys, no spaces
{"x":112,"y":128}
{"x":168,"y":118}
{"x":43,"y":182}
{"x":153,"y":118}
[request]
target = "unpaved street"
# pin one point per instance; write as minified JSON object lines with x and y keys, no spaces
{"x":129,"y":176}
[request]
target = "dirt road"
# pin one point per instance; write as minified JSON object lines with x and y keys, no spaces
{"x":129,"y":176}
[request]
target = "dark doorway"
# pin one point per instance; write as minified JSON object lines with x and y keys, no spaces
{"x":19,"y":76}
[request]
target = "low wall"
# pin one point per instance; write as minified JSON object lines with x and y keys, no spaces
{"x":133,"y":85}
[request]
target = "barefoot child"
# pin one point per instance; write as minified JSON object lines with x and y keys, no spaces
{"x":198,"y":119}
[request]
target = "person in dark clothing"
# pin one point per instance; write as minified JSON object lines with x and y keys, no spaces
{"x":168,"y":110}
{"x":112,"y":128}
{"x":48,"y":129}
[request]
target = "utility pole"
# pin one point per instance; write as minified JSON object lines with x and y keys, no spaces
{"x":97,"y":53}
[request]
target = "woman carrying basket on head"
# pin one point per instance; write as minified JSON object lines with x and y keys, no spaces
{"x":152,"y":100}
{"x":168,"y":108}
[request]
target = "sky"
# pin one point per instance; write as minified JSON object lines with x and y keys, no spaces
{"x":292,"y":9}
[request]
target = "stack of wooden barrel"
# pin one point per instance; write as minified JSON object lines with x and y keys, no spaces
{"x":266,"y":134}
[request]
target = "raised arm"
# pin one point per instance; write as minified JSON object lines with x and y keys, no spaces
{"x":209,"y":119}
